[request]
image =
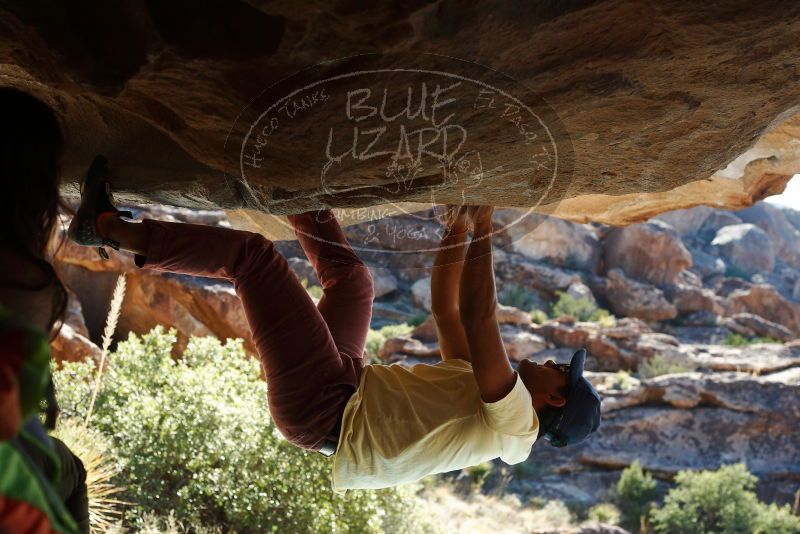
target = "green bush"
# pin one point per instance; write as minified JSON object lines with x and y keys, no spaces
{"x":659,"y":365}
{"x":538,"y":316}
{"x":417,"y":319}
{"x":376,"y":338}
{"x":604,"y":512}
{"x":636,"y":491}
{"x":518,"y":297}
{"x":621,"y":380}
{"x":375,"y":341}
{"x":395,"y":330}
{"x":737,"y":340}
{"x":774,"y":519}
{"x":578,"y":308}
{"x":721,"y":501}
{"x":194,"y":436}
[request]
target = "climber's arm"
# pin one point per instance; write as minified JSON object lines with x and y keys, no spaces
{"x":478,"y":305}
{"x":445,"y":279}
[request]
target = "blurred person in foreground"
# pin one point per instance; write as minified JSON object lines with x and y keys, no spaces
{"x":42,"y":484}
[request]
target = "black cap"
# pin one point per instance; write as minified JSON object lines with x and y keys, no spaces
{"x":580,"y":416}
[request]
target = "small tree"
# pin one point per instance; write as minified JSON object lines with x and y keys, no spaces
{"x":605,"y":512}
{"x":636,"y":491}
{"x":518,"y":297}
{"x":580,"y":309}
{"x":720,"y":501}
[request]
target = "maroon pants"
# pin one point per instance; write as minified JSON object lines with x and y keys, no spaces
{"x":312,"y":355}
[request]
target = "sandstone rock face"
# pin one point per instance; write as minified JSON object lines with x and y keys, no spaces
{"x":521,"y":345}
{"x":716,"y":220}
{"x":650,"y":252}
{"x":746,"y":248}
{"x":400,"y":347}
{"x":706,"y":265}
{"x":687,"y":299}
{"x":383,"y":282}
{"x":161,"y":97}
{"x":760,"y":358}
{"x":762,"y":327}
{"x":782,"y":235}
{"x":537,"y":275}
{"x":512,"y":315}
{"x":195,"y":309}
{"x":554,"y":240}
{"x":72,"y":346}
{"x":707,"y":420}
{"x":631,"y":298}
{"x":766,"y":302}
{"x":688,"y":221}
{"x":72,"y":342}
{"x":421,"y":293}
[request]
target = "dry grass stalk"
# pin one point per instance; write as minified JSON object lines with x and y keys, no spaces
{"x":108,"y":334}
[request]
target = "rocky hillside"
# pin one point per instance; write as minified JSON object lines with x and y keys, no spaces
{"x":698,"y":360}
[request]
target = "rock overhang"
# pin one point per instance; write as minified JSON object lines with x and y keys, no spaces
{"x":664,"y":106}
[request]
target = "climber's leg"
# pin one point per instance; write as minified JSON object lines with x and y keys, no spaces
{"x":346,"y":304}
{"x":308,"y":382}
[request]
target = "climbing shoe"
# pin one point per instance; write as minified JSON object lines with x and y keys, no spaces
{"x":96,"y":200}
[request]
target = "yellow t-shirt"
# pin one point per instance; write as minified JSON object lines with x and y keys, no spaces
{"x":403,"y":424}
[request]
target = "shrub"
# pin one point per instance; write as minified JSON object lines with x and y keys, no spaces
{"x":531,"y":469}
{"x":556,"y":513}
{"x":395,"y":330}
{"x":417,"y":319}
{"x":606,"y":319}
{"x":659,"y":365}
{"x":720,"y":501}
{"x":518,"y":297}
{"x":537,"y":502}
{"x":604,"y":513}
{"x":376,"y":338}
{"x":578,"y":308}
{"x":194,"y":436}
{"x":737,"y":340}
{"x":774,"y":519}
{"x":375,"y":341}
{"x":538,"y":316}
{"x":636,"y":491}
{"x":621,"y":380}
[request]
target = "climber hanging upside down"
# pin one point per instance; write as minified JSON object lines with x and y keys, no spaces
{"x":384,"y":424}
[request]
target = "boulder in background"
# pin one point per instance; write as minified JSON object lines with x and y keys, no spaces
{"x":633,"y":299}
{"x":746,"y":248}
{"x":650,"y":252}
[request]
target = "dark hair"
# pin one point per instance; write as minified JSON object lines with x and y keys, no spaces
{"x":31,"y":147}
